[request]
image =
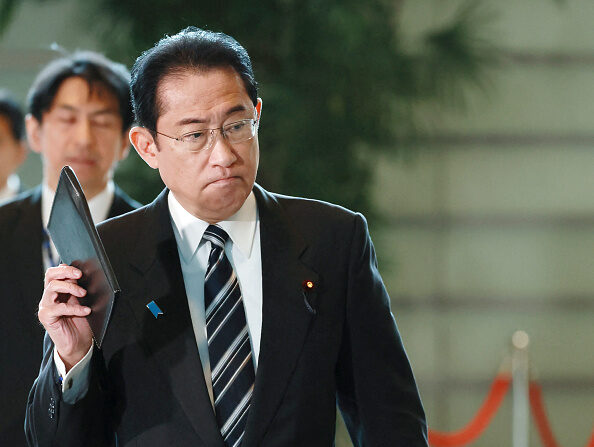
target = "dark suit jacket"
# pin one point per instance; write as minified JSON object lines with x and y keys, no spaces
{"x":21,"y":276}
{"x":338,"y":343}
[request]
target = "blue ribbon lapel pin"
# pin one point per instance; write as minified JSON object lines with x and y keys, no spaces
{"x":155,"y":310}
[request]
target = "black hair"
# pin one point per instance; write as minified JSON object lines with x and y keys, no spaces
{"x":191,"y":48}
{"x":92,"y":67}
{"x":13,"y":113}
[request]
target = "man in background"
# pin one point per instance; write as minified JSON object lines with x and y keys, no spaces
{"x":79,"y":114}
{"x":12,"y":145}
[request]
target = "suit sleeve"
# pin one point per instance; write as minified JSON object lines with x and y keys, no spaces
{"x":50,"y":421}
{"x":377,"y":393}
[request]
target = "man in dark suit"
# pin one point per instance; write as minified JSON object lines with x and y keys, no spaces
{"x":245,"y":316}
{"x":79,"y":114}
{"x":12,"y":146}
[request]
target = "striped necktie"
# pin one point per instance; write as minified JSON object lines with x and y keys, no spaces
{"x":229,"y":348}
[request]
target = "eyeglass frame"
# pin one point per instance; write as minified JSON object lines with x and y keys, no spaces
{"x":255,"y":122}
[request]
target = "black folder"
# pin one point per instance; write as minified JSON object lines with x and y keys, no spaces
{"x":74,"y":234}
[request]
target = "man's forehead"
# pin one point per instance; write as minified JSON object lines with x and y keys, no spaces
{"x":198,"y":86}
{"x":76,"y":91}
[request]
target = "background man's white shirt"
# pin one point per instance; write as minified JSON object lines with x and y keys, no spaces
{"x":11,"y":188}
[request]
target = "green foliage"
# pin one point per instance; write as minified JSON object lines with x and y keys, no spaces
{"x":337,"y":84}
{"x":327,"y":76}
{"x":7,"y":9}
{"x":137,"y":179}
{"x":460,"y":53}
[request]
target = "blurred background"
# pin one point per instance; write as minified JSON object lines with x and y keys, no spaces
{"x":463,"y":130}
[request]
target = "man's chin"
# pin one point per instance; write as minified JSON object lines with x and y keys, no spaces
{"x":90,"y":185}
{"x":84,"y":173}
{"x":221,"y":208}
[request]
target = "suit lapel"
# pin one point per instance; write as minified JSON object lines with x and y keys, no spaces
{"x":121,"y":203}
{"x":285,"y":316}
{"x":28,"y":233}
{"x":170,"y":337}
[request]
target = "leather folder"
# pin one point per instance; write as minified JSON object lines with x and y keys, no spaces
{"x":74,"y":234}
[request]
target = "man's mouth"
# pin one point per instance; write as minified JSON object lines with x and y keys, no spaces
{"x":81,"y":161}
{"x":224,"y":180}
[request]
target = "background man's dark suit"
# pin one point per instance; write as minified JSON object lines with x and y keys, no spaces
{"x":338,"y":342}
{"x":21,"y":274}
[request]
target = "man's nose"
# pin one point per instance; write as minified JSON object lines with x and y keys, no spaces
{"x":222,"y":153}
{"x":83,"y":132}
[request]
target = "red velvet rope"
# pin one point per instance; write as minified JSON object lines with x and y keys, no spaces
{"x":482,"y":419}
{"x":540,"y":417}
{"x":541,"y":420}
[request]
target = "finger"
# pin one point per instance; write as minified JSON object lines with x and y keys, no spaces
{"x":71,"y":310}
{"x":50,"y":315}
{"x":51,"y":294}
{"x":62,"y":271}
{"x":56,"y":287}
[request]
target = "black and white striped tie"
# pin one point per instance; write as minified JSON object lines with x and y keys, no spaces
{"x":229,"y":349}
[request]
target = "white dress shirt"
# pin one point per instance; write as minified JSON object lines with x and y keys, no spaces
{"x":11,"y":188}
{"x":244,"y":254}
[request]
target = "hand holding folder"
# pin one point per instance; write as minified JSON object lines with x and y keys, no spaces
{"x":74,"y":234}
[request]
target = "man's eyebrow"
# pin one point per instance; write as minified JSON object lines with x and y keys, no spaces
{"x":66,"y":107}
{"x":237,"y":108}
{"x":189,"y":121}
{"x":232,"y":110}
{"x":108,"y":111}
{"x":69,"y":108}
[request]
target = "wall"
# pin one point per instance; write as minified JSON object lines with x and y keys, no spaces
{"x":490,"y":226}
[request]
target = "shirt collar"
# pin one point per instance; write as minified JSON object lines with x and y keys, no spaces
{"x":11,"y":188}
{"x":189,"y":229}
{"x":98,"y":206}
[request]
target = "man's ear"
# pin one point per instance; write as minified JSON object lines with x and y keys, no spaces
{"x":259,"y":108}
{"x":144,"y":143}
{"x":33,"y":128}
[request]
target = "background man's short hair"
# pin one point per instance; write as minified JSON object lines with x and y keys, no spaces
{"x":10,"y":109}
{"x":94,"y":68}
{"x":191,"y":48}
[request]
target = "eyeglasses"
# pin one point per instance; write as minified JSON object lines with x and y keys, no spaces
{"x":203,"y":139}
